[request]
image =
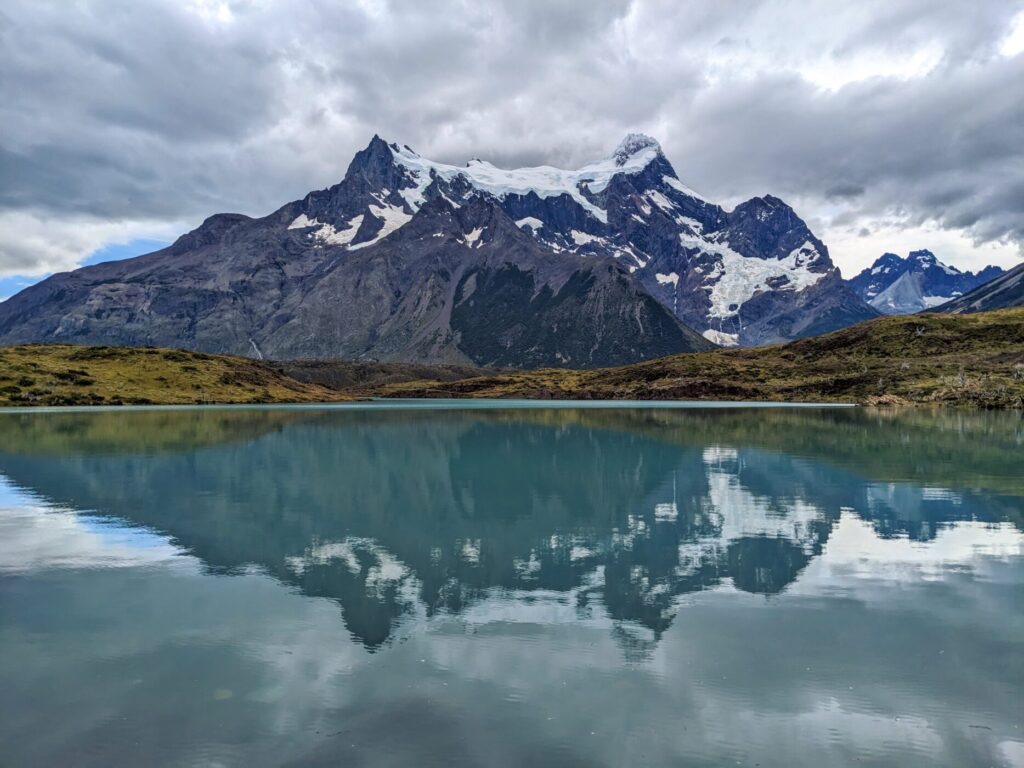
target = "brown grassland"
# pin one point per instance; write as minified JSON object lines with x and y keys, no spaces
{"x":930,"y":359}
{"x":960,"y":360}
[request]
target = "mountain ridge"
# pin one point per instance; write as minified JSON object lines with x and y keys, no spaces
{"x":1004,"y":291}
{"x":918,"y":282}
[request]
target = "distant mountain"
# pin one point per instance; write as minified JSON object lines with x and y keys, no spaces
{"x":1003,"y":292}
{"x":897,"y":286}
{"x":409,"y":259}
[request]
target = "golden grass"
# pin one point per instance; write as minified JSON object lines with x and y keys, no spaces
{"x":53,"y":374}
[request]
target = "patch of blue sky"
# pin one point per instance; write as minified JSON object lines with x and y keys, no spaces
{"x":11,"y":284}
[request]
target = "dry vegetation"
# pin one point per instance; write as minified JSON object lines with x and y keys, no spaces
{"x":357,"y":375}
{"x":964,"y":360}
{"x":52,"y":374}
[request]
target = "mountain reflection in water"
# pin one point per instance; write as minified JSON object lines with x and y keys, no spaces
{"x":397,"y":513}
{"x":607,"y":519}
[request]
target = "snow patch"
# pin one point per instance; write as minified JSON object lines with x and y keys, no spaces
{"x":721,"y":338}
{"x":661,"y":201}
{"x":582,"y":238}
{"x":735,"y":278}
{"x":393,"y":217}
{"x":694,"y":225}
{"x":627,"y":250}
{"x":805,"y":254}
{"x":330,"y":235}
{"x":677,"y":185}
{"x":935,"y":301}
{"x":326,"y":233}
{"x":671,"y":278}
{"x":530,"y":222}
{"x":474,"y":236}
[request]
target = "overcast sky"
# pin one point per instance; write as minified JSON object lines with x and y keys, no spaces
{"x":887,"y":124}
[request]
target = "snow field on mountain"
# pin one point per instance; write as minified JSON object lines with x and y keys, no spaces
{"x":735,"y":279}
{"x":544,"y":181}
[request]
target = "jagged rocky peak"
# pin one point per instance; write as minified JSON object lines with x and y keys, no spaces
{"x":767,"y":227}
{"x":374,"y":164}
{"x":887,"y":261}
{"x":768,"y":210}
{"x":924,"y":259}
{"x":633,"y":144}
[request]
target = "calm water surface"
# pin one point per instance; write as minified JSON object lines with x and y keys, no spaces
{"x":392,"y":586}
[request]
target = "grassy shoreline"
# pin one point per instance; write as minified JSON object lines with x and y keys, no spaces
{"x":938,"y":360}
{"x":66,"y":375}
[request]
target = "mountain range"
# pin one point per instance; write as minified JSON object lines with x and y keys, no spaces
{"x":407,"y":259}
{"x":895,"y":285}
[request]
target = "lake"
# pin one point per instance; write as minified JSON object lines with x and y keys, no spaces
{"x":511,"y":584}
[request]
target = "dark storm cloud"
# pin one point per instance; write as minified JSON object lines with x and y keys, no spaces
{"x":119,"y":118}
{"x":844,"y":189}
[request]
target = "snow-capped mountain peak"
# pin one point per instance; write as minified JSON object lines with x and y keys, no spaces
{"x":634,"y":144}
{"x":632,"y":156}
{"x":925,"y":259}
{"x":734,"y":270}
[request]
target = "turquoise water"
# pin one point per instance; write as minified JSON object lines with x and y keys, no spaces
{"x":428,"y":584}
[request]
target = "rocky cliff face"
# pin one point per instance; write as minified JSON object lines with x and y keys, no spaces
{"x":458,"y":285}
{"x":408,"y":259}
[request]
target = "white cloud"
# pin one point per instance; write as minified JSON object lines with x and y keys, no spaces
{"x":121,"y":118}
{"x":1013,"y":43}
{"x":856,"y":246}
{"x":36,"y":244}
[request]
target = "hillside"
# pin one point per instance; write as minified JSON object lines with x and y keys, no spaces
{"x":69,"y":375}
{"x":969,"y":360}
{"x":1005,"y":291}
